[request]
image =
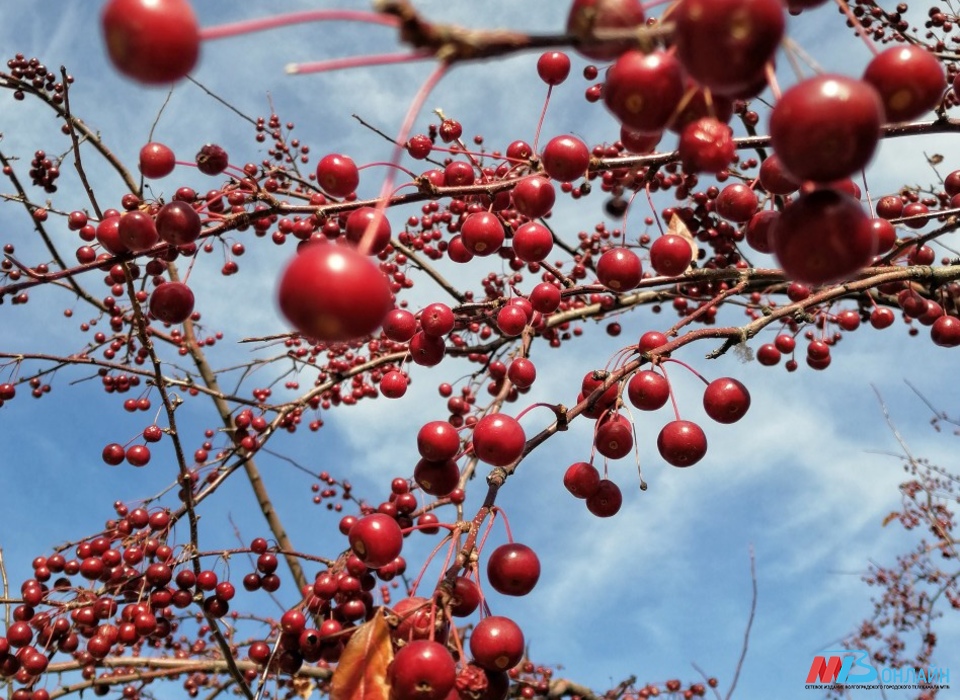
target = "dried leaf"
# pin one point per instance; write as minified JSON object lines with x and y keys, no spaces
{"x":890,"y":518}
{"x":303,"y":687}
{"x":361,"y":673}
{"x":677,"y":227}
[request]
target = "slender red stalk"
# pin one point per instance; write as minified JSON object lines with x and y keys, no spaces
{"x":262,"y":24}
{"x":400,"y":144}
{"x":355,"y":62}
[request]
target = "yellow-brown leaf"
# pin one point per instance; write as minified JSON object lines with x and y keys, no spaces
{"x":361,"y":673}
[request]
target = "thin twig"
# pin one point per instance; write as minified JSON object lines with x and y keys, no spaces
{"x":746,"y":632}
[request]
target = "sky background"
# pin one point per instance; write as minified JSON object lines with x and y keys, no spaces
{"x":803,"y":481}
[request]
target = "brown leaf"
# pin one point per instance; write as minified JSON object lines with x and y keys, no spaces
{"x":361,"y":673}
{"x":303,"y":687}
{"x":890,"y":518}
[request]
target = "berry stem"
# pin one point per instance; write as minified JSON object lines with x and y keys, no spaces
{"x":399,"y":145}
{"x":673,"y":399}
{"x":543,"y":114}
{"x":335,"y":64}
{"x":262,"y":24}
{"x":684,"y":364}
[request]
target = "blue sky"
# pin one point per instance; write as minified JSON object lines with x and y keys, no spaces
{"x":804,"y":480}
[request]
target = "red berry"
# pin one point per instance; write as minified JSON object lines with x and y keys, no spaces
{"x":178,"y":223}
{"x":775,"y":179}
{"x":945,"y":331}
{"x":466,"y":597}
{"x":438,"y":441}
{"x":909,"y":79}
{"x":881,"y":318}
{"x":553,"y":67}
{"x":605,"y":502}
{"x":545,"y":297}
{"x":757,"y":230}
{"x":172,"y":302}
{"x":437,"y":478}
{"x":648,"y":390}
{"x":498,"y":439}
{"x":682,"y":443}
{"x":581,"y":479}
{"x":482,"y":233}
{"x":427,"y":350}
{"x":511,"y":320}
{"x":137,"y":231}
{"x":726,"y":400}
{"x":364,"y":218}
{"x":823,"y":237}
{"x":590,"y":17}
{"x":670,"y":255}
{"x":639,"y":142}
{"x":138,"y":455}
{"x":333,"y":293}
{"x":212,"y":159}
{"x":422,"y":670}
{"x":534,"y":196}
{"x":614,"y":436}
{"x":706,"y":146}
{"x":532,"y":242}
{"x":565,"y":158}
{"x":522,"y":372}
{"x":337,"y":175}
{"x":393,"y":385}
{"x":737,"y":202}
{"x":513,"y":569}
{"x":725,"y":45}
{"x":376,"y":539}
{"x":643,"y":90}
{"x":153,"y":41}
{"x":497,"y":643}
{"x":826,"y":128}
{"x":651,"y":340}
{"x":156,"y":160}
{"x":619,"y":269}
{"x":113,"y":454}
{"x":399,"y":325}
{"x":437,"y":319}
